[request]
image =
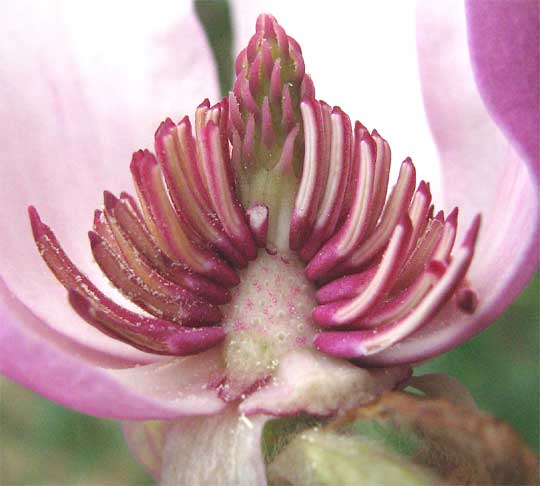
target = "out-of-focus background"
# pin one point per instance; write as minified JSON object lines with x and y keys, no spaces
{"x":42,"y":443}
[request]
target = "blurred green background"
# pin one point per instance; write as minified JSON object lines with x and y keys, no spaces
{"x":43,"y":444}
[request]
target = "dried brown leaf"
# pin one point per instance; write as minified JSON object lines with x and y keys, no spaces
{"x":463,"y":446}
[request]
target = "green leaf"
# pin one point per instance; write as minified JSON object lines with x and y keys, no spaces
{"x":215,"y":16}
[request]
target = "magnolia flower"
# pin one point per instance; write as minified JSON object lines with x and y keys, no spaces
{"x":272,"y":278}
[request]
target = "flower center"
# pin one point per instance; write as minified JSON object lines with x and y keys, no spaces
{"x":271,"y":215}
{"x":269,"y":315}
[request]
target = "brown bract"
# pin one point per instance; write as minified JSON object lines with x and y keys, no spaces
{"x":461,"y":445}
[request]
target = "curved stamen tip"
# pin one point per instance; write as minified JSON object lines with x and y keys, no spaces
{"x":94,"y":238}
{"x":109,"y":200}
{"x":453,"y":216}
{"x":204,"y":104}
{"x":35,"y":223}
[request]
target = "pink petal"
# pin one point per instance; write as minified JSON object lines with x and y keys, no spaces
{"x":84,"y":85}
{"x":482,"y":172}
{"x":313,"y":383}
{"x":35,"y":358}
{"x":504,"y":46}
{"x":224,"y":449}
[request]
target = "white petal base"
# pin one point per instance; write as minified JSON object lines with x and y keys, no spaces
{"x":222,"y":450}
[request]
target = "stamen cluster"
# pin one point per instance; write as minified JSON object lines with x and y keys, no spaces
{"x":270,"y":168}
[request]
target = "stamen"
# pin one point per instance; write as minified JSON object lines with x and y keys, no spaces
{"x":346,"y":287}
{"x":307,"y":198}
{"x":418,"y":213}
{"x":338,"y":175}
{"x":448,"y":238}
{"x":359,"y":131}
{"x":382,"y":175}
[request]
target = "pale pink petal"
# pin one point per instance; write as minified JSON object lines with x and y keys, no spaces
{"x":310,"y":382}
{"x":82,"y":85}
{"x":168,"y":389}
{"x":482,"y":171}
{"x":505,"y":52}
{"x":222,"y":450}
